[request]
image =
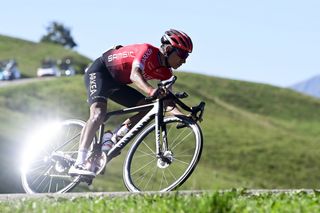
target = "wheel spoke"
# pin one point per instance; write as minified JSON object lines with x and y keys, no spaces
{"x":43,"y":179}
{"x":183,"y":162}
{"x":163,"y":179}
{"x":50,"y":167}
{"x":143,"y":167}
{"x":30,"y":171}
{"x":152,"y":175}
{"x":144,"y":143}
{"x":174,"y":177}
{"x":50,"y":184}
{"x":181,"y":141}
{"x":177,"y":137}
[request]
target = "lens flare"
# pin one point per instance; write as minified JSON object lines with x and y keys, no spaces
{"x":37,"y":142}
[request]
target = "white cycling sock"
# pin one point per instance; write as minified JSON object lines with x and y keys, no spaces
{"x":82,"y":156}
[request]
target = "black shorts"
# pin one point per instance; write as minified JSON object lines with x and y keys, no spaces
{"x":101,"y":86}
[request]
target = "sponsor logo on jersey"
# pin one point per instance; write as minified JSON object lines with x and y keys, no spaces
{"x":146,"y":55}
{"x":93,"y":83}
{"x":124,"y":54}
{"x":150,"y":66}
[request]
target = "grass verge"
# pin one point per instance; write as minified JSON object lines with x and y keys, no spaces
{"x":233,"y":201}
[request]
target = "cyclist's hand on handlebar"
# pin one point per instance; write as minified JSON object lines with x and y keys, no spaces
{"x":158,"y":93}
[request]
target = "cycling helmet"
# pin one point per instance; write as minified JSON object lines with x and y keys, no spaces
{"x":177,"y":39}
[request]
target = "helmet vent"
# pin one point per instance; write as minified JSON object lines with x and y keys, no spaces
{"x":184,"y":43}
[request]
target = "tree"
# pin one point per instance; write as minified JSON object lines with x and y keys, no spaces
{"x":59,"y":34}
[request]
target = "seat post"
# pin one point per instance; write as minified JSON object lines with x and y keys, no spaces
{"x":101,"y":132}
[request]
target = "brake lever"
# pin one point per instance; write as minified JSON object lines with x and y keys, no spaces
{"x":202,"y":105}
{"x":181,"y":95}
{"x":199,"y":108}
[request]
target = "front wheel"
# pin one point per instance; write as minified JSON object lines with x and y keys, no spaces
{"x":145,"y":171}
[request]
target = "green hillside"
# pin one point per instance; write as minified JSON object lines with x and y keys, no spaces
{"x":29,"y":54}
{"x":255,"y":135}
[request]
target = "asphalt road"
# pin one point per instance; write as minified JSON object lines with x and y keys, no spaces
{"x":22,"y":81}
{"x":10,"y":197}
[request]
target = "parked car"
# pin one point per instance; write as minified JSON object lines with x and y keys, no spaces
{"x":48,"y":68}
{"x":9,"y":70}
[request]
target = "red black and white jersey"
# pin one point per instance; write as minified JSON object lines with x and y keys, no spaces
{"x":145,"y":56}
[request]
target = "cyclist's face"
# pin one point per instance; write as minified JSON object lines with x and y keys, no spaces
{"x":175,"y":59}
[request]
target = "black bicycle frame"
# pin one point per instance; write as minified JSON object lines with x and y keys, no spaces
{"x":156,"y":112}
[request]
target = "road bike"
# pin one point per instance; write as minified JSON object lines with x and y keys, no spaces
{"x":164,"y":153}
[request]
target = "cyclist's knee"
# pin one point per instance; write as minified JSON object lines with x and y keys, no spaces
{"x":97,"y":113}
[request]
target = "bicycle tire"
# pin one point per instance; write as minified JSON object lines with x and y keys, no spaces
{"x":137,"y":181}
{"x":40,"y":173}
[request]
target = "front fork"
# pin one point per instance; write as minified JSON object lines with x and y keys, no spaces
{"x":161,"y":131}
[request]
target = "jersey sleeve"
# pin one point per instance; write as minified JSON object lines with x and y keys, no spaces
{"x":142,"y":56}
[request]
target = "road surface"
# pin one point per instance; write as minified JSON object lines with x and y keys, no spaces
{"x":10,"y":197}
{"x":22,"y":81}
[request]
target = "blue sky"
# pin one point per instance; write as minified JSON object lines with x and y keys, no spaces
{"x":267,"y":41}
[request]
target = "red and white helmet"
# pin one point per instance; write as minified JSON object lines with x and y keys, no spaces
{"x":177,"y":39}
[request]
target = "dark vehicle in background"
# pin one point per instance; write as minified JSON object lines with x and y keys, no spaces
{"x":9,"y":70}
{"x":66,"y":67}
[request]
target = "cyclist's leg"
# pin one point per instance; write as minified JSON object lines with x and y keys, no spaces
{"x":97,"y":113}
{"x":98,"y":83}
{"x":129,"y":97}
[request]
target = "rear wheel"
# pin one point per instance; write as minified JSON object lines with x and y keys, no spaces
{"x":49,"y":157}
{"x":145,"y":171}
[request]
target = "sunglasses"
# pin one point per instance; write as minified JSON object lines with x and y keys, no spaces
{"x":182,"y":53}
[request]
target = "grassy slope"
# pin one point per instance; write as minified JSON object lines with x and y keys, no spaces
{"x":262,"y":136}
{"x":255,"y":135}
{"x":29,"y":54}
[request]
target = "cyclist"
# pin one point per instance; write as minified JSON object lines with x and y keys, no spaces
{"x":108,"y":78}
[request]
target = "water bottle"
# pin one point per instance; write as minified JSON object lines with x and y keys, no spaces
{"x":107,"y":143}
{"x":119,"y":133}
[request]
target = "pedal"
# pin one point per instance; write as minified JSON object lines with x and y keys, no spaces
{"x":103,"y":170}
{"x":86,"y":179}
{"x":89,"y":182}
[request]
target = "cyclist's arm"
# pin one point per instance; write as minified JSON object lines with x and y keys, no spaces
{"x":171,"y":107}
{"x":137,"y":78}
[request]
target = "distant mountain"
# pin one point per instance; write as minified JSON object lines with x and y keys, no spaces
{"x":309,"y":87}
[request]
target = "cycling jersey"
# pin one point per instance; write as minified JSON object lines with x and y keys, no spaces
{"x":101,"y":86}
{"x":120,"y":61}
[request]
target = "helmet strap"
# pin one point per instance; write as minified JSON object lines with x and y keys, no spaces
{"x":166,"y":54}
{"x":166,"y":61}
{"x":167,"y":57}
